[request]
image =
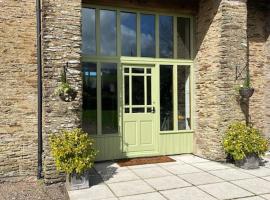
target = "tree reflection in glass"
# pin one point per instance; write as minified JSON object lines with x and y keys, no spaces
{"x":166,"y":97}
{"x":89,"y":118}
{"x":109,"y":98}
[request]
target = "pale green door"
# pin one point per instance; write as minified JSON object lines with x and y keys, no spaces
{"x":139,"y":110}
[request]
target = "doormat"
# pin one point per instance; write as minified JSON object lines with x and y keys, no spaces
{"x":143,"y":161}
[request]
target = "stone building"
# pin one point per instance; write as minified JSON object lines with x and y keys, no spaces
{"x":152,"y":77}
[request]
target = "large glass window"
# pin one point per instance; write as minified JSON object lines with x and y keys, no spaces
{"x":148,"y":38}
{"x":183,"y":38}
{"x":183,"y":83}
{"x":108,"y":33}
{"x":109,"y":98}
{"x":166,"y":97}
{"x":129,"y":34}
{"x":89,"y":31}
{"x":166,"y":36}
{"x":89,"y":121}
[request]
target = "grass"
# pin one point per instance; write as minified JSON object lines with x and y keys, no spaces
{"x":109,"y":117}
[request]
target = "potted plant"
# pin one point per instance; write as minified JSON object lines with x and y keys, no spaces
{"x":65,"y":91}
{"x":246,"y":90}
{"x":245,"y":145}
{"x":74,"y":154}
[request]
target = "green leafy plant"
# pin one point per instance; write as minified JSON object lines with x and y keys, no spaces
{"x":241,"y":140}
{"x":73,"y":151}
{"x":64,"y":90}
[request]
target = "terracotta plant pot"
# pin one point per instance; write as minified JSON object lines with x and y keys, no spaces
{"x":251,"y":161}
{"x":246,"y":93}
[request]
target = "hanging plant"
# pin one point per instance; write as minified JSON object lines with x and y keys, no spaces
{"x":64,"y":90}
{"x":246,"y":90}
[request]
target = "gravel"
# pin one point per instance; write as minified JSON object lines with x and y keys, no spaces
{"x":29,"y":188}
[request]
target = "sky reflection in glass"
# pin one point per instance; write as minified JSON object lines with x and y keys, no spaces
{"x":107,"y":33}
{"x":89,"y":31}
{"x":128,"y":34}
{"x":148,"y":36}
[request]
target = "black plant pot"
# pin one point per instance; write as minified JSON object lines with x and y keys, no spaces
{"x":246,"y":93}
{"x":251,"y":161}
{"x":69,"y":96}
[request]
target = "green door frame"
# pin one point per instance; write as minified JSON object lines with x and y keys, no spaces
{"x":111,"y":145}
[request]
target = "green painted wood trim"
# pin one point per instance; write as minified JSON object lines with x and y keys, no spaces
{"x":110,"y":147}
{"x":99,"y":100}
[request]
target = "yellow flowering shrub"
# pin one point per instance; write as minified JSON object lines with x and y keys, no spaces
{"x":241,"y":140}
{"x":73,"y":151}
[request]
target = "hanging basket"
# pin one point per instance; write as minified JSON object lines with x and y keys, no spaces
{"x":246,"y":93}
{"x":68,"y":96}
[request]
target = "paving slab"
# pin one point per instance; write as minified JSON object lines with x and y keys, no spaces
{"x":262,"y":171}
{"x":266,"y":196}
{"x":188,"y":193}
{"x":148,"y":196}
{"x":142,"y":166}
{"x":167,"y":182}
{"x":96,"y":192}
{"x":189,"y":178}
{"x":266,"y":178}
{"x":252,"y":198}
{"x":225,"y":190}
{"x":231,"y":174}
{"x":151,"y":172}
{"x":255,"y":185}
{"x":208,"y":166}
{"x":171,"y":163}
{"x":181,"y":169}
{"x":102,"y":166}
{"x":189,"y":158}
{"x":200,"y":178}
{"x":120,"y":176}
{"x":130,"y":188}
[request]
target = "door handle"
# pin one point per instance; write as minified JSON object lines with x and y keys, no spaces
{"x":153,"y":110}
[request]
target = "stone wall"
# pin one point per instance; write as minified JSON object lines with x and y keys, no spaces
{"x":258,"y":36}
{"x":222,"y":46}
{"x":267,"y":75}
{"x":61,"y":45}
{"x":18,"y":80}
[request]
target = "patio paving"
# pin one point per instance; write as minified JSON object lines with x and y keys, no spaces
{"x":189,"y":178}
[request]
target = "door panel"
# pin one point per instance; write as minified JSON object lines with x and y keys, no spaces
{"x":139,"y":117}
{"x":146,"y":127}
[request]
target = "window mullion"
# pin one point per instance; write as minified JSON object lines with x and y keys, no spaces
{"x":192,"y":37}
{"x":118,"y":33}
{"x":175,"y":98}
{"x":99,"y":100}
{"x":145,"y":91}
{"x":130,"y":89}
{"x":157,"y":35}
{"x":120,"y":102}
{"x":98,"y":31}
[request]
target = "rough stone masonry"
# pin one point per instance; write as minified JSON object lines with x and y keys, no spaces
{"x":224,"y":31}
